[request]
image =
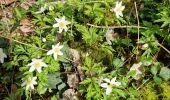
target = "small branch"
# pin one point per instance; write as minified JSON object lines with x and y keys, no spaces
{"x":138,"y":25}
{"x":164,"y":48}
{"x":30,"y":45}
{"x":112,"y":27}
{"x":142,"y":84}
{"x":23,"y":43}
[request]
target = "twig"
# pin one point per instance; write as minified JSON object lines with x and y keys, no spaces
{"x":137,"y":27}
{"x":164,"y":48}
{"x":30,"y":45}
{"x":112,"y":27}
{"x":23,"y":43}
{"x":142,"y":84}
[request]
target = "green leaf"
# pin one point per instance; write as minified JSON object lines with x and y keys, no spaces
{"x":165,"y":73}
{"x":61,"y":86}
{"x":53,"y":80}
{"x":154,"y":70}
{"x":132,"y":73}
{"x":117,"y":62}
{"x":146,"y":61}
{"x":53,"y":98}
{"x":157,"y":80}
{"x":120,"y":92}
{"x":41,"y":89}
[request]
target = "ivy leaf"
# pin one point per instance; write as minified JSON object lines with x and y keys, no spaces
{"x":53,"y":80}
{"x":61,"y":86}
{"x":165,"y":73}
{"x":117,"y":62}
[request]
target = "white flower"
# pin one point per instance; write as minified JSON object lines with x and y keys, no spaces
{"x":61,"y":23}
{"x":136,"y":68}
{"x":109,"y":85}
{"x":109,"y":36}
{"x":36,"y":64}
{"x":118,"y":9}
{"x":30,"y":82}
{"x":56,"y":50}
{"x":2,"y":56}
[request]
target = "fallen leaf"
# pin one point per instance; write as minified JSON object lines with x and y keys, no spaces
{"x":7,"y":2}
{"x":72,"y":80}
{"x":26,"y":26}
{"x":75,"y":56}
{"x":69,"y":94}
{"x":27,"y":4}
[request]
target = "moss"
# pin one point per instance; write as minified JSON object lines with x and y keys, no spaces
{"x":165,"y":90}
{"x":148,"y":93}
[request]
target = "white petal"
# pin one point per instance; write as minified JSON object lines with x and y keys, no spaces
{"x":32,"y":68}
{"x":104,"y":85}
{"x":56,"y":25}
{"x":121,"y":14}
{"x":55,"y":56}
{"x":23,"y":84}
{"x":34,"y":78}
{"x":107,"y":80}
{"x":57,"y":19}
{"x":2,"y":60}
{"x":61,"y":46}
{"x":60,"y":53}
{"x":44,"y":64}
{"x":32,"y":86}
{"x":109,"y":41}
{"x":50,"y":52}
{"x":60,"y":30}
{"x":39,"y":69}
{"x":65,"y":29}
{"x":108,"y":90}
{"x":117,"y":15}
{"x":67,"y":22}
{"x":113,"y":80}
{"x":122,"y":8}
{"x":63,"y":18}
{"x":117,"y":83}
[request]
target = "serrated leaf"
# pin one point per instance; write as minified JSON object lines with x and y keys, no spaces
{"x":120,"y":92}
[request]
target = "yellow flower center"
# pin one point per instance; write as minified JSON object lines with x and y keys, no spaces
{"x":36,"y":65}
{"x":29,"y":81}
{"x":119,"y":9}
{"x":109,"y":35}
{"x":57,"y":50}
{"x":62,"y":24}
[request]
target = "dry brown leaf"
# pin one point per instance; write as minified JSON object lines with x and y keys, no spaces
{"x":72,"y":80}
{"x":26,"y":25}
{"x":69,"y":94}
{"x":27,"y":4}
{"x":75,"y":56}
{"x":81,"y":73}
{"x":7,"y":2}
{"x":14,"y":90}
{"x":6,"y":14}
{"x":77,"y":62}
